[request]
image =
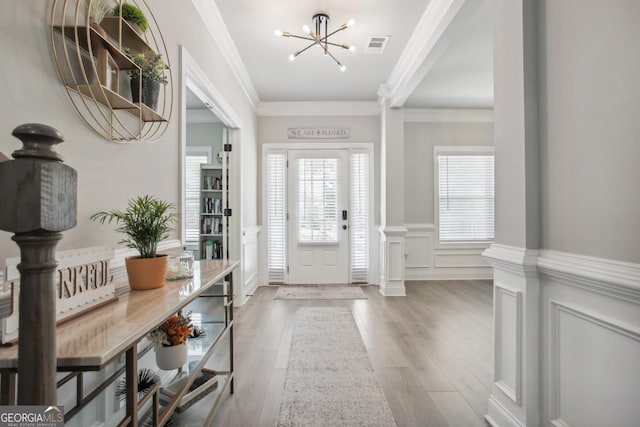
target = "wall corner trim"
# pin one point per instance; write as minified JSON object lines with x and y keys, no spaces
{"x":516,"y":260}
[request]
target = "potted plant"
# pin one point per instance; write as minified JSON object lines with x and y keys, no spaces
{"x":170,"y":340}
{"x":98,"y":9}
{"x":133,"y":15}
{"x":152,"y":68}
{"x":145,"y":222}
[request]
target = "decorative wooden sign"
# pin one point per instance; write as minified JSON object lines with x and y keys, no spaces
{"x":318,"y":133}
{"x":83,"y":282}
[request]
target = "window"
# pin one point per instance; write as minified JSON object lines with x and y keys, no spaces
{"x":317,"y":200}
{"x":359,"y":221}
{"x":194,"y":158}
{"x":465,"y":194}
{"x":276,"y":165}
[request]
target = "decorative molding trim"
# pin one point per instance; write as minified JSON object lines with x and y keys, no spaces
{"x":514,"y":391}
{"x":420,"y":227}
{"x":510,"y":258}
{"x":435,"y":30}
{"x":320,"y":108}
{"x":498,"y":416}
{"x":393,"y":230}
{"x":202,"y":87}
{"x":449,"y":274}
{"x":446,"y":115}
{"x":556,"y":308}
{"x":212,"y":19}
{"x":608,"y":277}
{"x":202,"y":116}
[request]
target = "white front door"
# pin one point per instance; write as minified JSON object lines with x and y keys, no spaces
{"x":318,"y":201}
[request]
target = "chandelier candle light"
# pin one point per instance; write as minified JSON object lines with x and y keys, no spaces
{"x":320,"y":37}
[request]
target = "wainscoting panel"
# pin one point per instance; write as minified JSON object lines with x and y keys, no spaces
{"x":425,"y":261}
{"x":249,"y":261}
{"x":593,"y":360}
{"x":507,"y":344}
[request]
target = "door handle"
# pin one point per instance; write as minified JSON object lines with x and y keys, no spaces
{"x":344,"y":226}
{"x":344,"y":215}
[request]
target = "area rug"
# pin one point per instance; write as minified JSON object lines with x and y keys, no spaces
{"x":319,"y":292}
{"x":329,"y":380}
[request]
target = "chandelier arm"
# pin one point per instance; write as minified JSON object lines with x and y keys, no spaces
{"x":311,"y":45}
{"x":303,"y":38}
{"x":334,"y":58}
{"x":330,"y":34}
{"x":337,"y":45}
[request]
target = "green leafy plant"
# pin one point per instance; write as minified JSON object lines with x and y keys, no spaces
{"x":152,"y":66}
{"x":145,"y":222}
{"x":132,"y":14}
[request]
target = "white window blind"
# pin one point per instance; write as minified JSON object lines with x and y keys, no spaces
{"x":317,"y":200}
{"x":465,"y":197}
{"x":276,"y":216}
{"x":193,"y":161}
{"x":359,"y":221}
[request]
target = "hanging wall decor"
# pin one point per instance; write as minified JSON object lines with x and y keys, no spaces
{"x":114,"y":65}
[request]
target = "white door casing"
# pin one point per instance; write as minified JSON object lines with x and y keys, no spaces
{"x":318,"y":199}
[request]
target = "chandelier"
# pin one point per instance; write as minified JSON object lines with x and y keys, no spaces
{"x":320,"y":37}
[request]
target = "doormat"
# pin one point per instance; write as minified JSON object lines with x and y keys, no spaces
{"x":330,"y":381}
{"x":319,"y":292}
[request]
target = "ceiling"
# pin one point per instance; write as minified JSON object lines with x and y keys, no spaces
{"x":455,"y":72}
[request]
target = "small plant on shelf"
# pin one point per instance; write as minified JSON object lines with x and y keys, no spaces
{"x":175,"y":331}
{"x":98,"y":9}
{"x":145,"y":223}
{"x":152,"y":66}
{"x":131,"y":13}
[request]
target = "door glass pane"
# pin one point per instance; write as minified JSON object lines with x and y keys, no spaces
{"x":317,"y":200}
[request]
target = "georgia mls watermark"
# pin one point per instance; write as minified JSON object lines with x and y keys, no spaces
{"x":31,"y":416}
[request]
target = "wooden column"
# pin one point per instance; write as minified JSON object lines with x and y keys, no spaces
{"x":40,"y":195}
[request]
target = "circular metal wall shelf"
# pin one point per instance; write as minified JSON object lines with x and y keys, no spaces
{"x":93,"y":61}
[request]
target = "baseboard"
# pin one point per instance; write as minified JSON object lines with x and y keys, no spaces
{"x":411,"y":274}
{"x":498,"y":416}
{"x":251,"y":285}
{"x":393,"y":291}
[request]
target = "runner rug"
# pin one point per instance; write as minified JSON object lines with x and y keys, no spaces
{"x":329,"y":380}
{"x":319,"y":292}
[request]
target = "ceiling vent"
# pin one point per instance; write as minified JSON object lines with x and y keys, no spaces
{"x":376,"y":44}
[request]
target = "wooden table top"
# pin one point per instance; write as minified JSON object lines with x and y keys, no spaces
{"x":92,"y":339}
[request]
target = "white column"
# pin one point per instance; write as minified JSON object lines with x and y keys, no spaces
{"x":514,"y":399}
{"x":392,"y":229}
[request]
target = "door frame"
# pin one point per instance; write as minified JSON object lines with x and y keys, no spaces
{"x":283,"y":147}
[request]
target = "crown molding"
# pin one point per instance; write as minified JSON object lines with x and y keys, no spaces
{"x":448,"y":115}
{"x":439,"y":25}
{"x":322,"y":108}
{"x":215,"y":24}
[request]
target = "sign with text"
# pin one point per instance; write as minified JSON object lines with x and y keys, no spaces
{"x":318,"y":133}
{"x":31,"y":416}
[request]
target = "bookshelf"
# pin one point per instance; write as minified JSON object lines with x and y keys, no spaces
{"x":214,"y":210}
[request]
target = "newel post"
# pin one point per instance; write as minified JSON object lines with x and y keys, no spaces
{"x":38,"y":193}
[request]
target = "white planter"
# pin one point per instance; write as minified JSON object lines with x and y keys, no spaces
{"x":169,"y":358}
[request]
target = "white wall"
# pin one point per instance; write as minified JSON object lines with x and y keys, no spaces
{"x":420,"y":138}
{"x":590,"y":99}
{"x":424,"y":258}
{"x":110,"y":173}
{"x":205,"y":135}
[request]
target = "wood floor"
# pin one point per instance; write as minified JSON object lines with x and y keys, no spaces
{"x":431,"y":350}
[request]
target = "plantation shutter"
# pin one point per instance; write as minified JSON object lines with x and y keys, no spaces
{"x":276,"y":216}
{"x":359,"y":221}
{"x":465,"y":198}
{"x":192,"y":195}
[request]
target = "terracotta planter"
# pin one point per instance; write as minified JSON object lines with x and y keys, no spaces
{"x":146,"y":273}
{"x":173,"y":357}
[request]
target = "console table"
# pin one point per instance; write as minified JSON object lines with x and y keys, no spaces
{"x":96,"y":340}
